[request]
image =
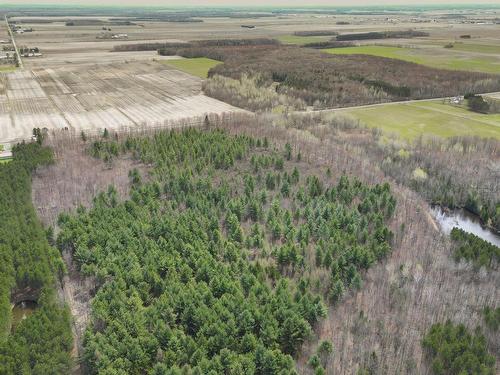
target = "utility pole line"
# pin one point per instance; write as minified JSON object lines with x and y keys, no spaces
{"x":20,"y":62}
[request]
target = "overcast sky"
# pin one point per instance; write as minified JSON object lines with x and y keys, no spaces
{"x":286,"y":3}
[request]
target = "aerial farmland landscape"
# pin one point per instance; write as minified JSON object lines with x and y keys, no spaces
{"x":212,"y":187}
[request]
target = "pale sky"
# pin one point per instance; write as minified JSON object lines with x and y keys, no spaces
{"x":285,"y":3}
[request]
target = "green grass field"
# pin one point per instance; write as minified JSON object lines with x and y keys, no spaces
{"x":198,"y":66}
{"x":7,"y":68}
{"x":5,"y":160}
{"x":410,"y":120}
{"x":480,"y":48}
{"x":301,"y":40}
{"x":444,"y":59}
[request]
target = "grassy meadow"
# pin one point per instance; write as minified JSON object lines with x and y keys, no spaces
{"x":410,"y":120}
{"x":198,"y":66}
{"x":479,"y":48}
{"x":434,"y":57}
{"x":301,"y":40}
{"x":7,"y":68}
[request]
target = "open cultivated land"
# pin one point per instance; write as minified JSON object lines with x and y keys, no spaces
{"x":92,"y":98}
{"x":437,"y":57}
{"x":196,"y":66}
{"x":61,"y":42}
{"x":68,"y":40}
{"x":411,"y":120}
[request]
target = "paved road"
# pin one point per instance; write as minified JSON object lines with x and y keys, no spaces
{"x":332,"y":110}
{"x":14,"y":43}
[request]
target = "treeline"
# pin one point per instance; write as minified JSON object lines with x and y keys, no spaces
{"x":327,"y":81}
{"x":166,"y":47}
{"x":474,"y":249}
{"x":251,"y":93}
{"x":478,"y":103}
{"x":382,"y":35}
{"x":41,"y":343}
{"x":217,"y":49}
{"x":94,"y":22}
{"x":316,"y":33}
{"x":328,"y":44}
{"x":454,"y":350}
{"x":221,"y":263}
{"x":147,"y":46}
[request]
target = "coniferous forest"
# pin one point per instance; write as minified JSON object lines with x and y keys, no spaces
{"x":226,"y":257}
{"x":30,"y":265}
{"x":474,"y":249}
{"x":454,"y":350}
{"x":223,"y":259}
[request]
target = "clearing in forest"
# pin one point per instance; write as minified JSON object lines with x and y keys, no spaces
{"x":435,"y":57}
{"x":198,"y":66}
{"x":411,"y":120}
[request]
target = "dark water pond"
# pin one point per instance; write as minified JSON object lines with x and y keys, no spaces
{"x":465,"y":221}
{"x":21,"y":311}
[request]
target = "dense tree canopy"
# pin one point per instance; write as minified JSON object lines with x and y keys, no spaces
{"x":41,"y":343}
{"x":477,"y":103}
{"x":454,"y":350}
{"x":472,"y":248}
{"x":324,"y":80}
{"x":209,"y":267}
{"x":492,"y":317}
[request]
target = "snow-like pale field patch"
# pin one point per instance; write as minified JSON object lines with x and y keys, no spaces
{"x":90,"y":98}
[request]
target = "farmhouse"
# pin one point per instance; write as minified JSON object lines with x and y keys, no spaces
{"x":456,"y":100}
{"x":119,"y":36}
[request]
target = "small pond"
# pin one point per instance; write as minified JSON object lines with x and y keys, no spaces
{"x":465,"y":221}
{"x":21,"y":311}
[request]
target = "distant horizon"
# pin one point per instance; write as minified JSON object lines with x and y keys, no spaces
{"x":288,"y":4}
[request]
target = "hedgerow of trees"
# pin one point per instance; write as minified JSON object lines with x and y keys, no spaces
{"x":195,"y":43}
{"x":454,"y":350}
{"x":382,"y":35}
{"x":40,"y":343}
{"x":329,"y":44}
{"x":225,"y":260}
